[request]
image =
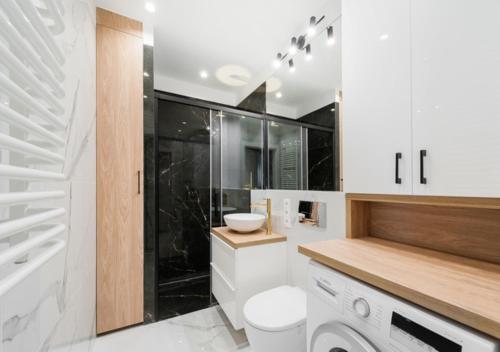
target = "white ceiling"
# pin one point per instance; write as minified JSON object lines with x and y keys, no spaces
{"x":195,"y":35}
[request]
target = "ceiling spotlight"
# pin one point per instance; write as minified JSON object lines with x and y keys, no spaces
{"x":179,"y":131}
{"x":150,"y":7}
{"x":146,"y":74}
{"x":308,"y":52}
{"x":291,"y":66}
{"x":184,"y":122}
{"x":277,"y":61}
{"x":204,"y":74}
{"x":279,"y":95}
{"x":384,"y":36}
{"x":293,"y":46}
{"x":311,"y":30}
{"x":330,"y":38}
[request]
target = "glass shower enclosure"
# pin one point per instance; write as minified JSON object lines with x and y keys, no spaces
{"x":208,"y":160}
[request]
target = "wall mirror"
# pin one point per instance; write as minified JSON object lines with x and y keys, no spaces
{"x":301,"y":97}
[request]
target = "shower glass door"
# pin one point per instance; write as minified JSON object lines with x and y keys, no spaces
{"x":284,"y":155}
{"x":237,"y":162}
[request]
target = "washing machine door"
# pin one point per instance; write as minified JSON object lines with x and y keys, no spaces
{"x":337,"y":337}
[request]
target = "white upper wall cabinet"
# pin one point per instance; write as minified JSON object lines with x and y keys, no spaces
{"x":376,"y":83}
{"x":456,"y":96}
{"x":422,"y":76}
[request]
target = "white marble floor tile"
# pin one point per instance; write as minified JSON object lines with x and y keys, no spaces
{"x":207,"y":330}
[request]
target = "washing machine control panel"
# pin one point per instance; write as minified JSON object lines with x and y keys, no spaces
{"x":417,"y":337}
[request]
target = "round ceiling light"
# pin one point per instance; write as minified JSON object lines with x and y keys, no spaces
{"x":273,"y":84}
{"x":233,"y":75}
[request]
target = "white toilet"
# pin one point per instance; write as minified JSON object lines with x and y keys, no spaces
{"x":275,"y":320}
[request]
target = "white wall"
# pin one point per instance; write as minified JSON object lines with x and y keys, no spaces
{"x":300,"y":233}
{"x":53,"y":309}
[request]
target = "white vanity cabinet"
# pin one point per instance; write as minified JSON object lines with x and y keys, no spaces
{"x":421,"y":77}
{"x":376,"y":90}
{"x":240,"y":273}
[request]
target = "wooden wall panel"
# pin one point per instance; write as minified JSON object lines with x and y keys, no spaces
{"x":119,"y":177}
{"x":468,"y":227}
{"x":468,"y":232}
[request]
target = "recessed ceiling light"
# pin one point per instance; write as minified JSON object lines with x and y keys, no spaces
{"x":208,"y":128}
{"x":146,"y":74}
{"x":145,"y":97}
{"x":184,"y":122}
{"x":278,"y":95}
{"x":243,"y":117}
{"x":204,"y":74}
{"x":179,"y":131}
{"x":150,"y":7}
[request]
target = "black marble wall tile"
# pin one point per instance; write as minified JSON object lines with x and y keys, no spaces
{"x":320,"y":157}
{"x":324,"y":117}
{"x":183,"y":209}
{"x":256,"y":101}
{"x":149,"y":189}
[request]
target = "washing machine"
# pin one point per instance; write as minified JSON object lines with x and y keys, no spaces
{"x":346,"y":315}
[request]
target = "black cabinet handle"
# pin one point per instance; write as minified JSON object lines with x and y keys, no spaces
{"x":423,"y":179}
{"x":399,"y":156}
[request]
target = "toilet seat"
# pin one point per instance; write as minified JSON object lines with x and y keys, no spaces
{"x":281,"y":308}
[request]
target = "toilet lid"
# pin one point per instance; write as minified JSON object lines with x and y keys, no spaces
{"x":278,"y":309}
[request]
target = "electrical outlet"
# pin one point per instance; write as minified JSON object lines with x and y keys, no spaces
{"x":287,"y":213}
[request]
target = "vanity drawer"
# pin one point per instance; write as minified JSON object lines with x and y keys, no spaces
{"x":225,"y":295}
{"x":224,"y":258}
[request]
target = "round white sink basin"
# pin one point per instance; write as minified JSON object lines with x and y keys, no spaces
{"x":244,"y":222}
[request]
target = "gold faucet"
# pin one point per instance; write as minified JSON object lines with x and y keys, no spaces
{"x":267,"y":205}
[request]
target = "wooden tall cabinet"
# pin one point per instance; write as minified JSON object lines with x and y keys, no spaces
{"x":120,"y":163}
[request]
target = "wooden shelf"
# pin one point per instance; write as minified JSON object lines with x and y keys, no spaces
{"x":241,"y":240}
{"x":465,"y":290}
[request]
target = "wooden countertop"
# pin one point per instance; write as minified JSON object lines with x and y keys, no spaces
{"x":465,"y":290}
{"x":241,"y":240}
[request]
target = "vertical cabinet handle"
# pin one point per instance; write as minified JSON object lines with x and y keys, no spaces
{"x":138,"y":181}
{"x":423,"y":179}
{"x":399,"y":156}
